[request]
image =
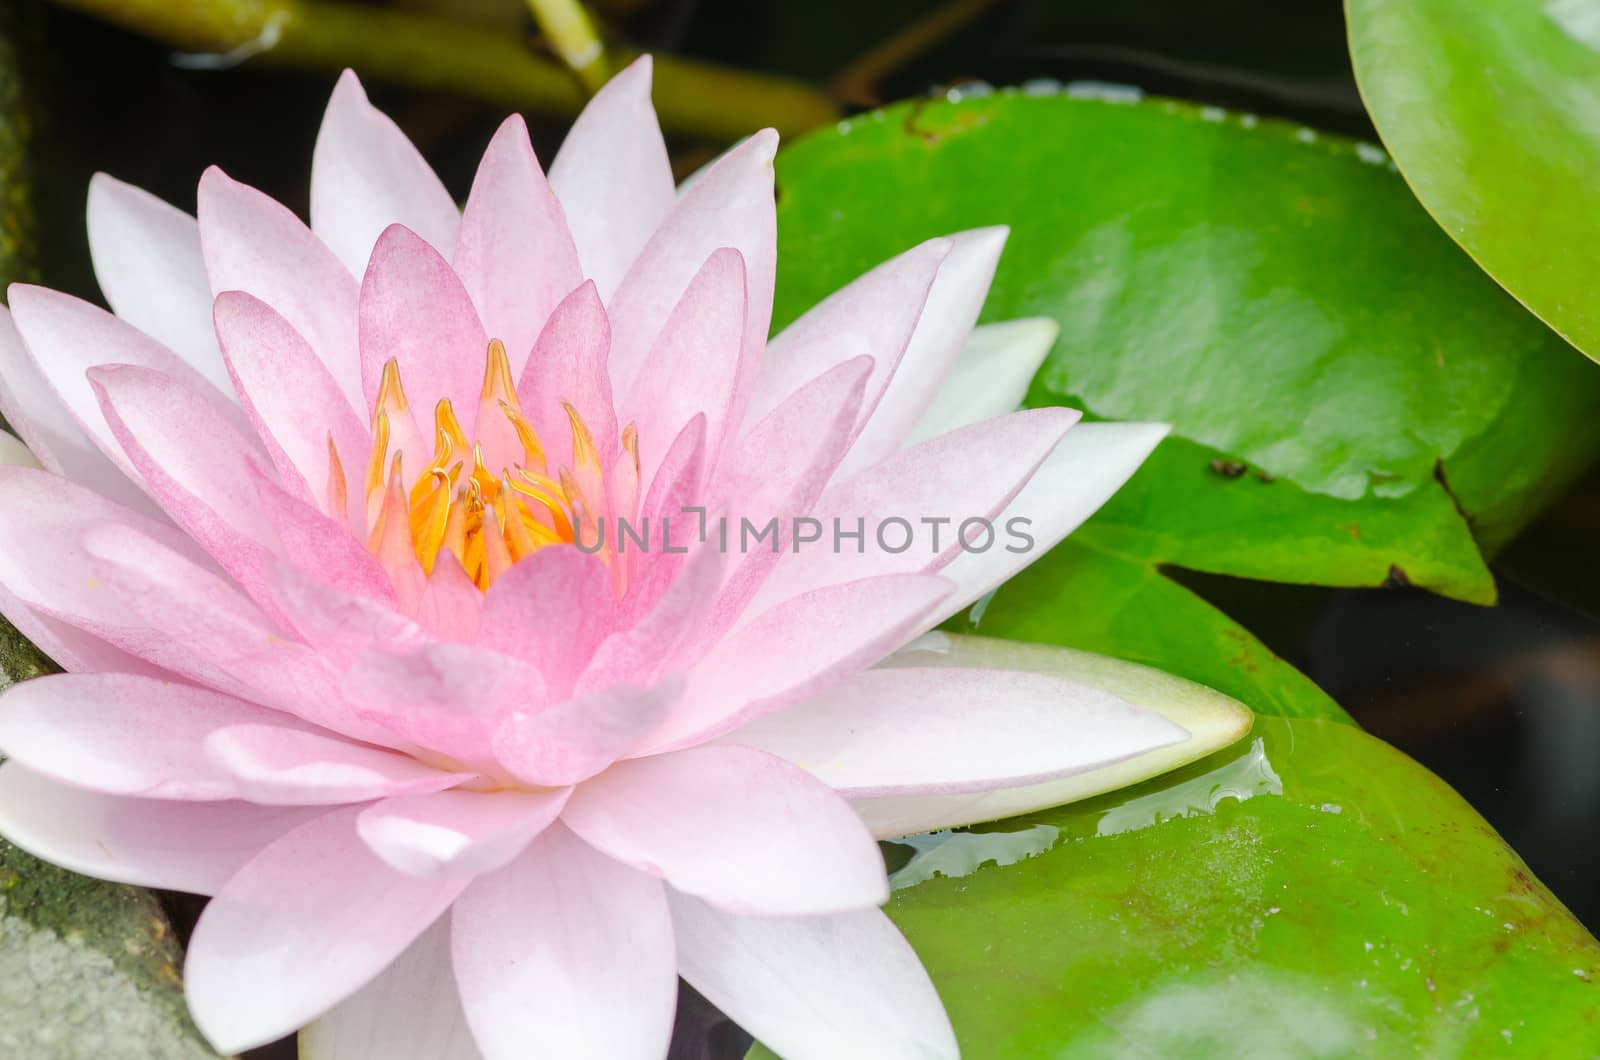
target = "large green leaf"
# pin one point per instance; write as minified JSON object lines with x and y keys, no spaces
{"x":1352,"y":399}
{"x":1310,"y":892}
{"x":1490,"y":110}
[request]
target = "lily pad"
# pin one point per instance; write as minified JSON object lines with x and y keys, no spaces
{"x":1354,"y":403}
{"x":1489,"y":109}
{"x":1310,"y":892}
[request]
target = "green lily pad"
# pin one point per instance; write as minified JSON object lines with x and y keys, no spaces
{"x":1354,"y":403}
{"x":1310,"y":892}
{"x":1489,"y":109}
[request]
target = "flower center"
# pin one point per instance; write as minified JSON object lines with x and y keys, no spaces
{"x":488,"y":520}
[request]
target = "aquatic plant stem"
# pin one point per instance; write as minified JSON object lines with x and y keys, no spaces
{"x":436,"y":53}
{"x":571,"y":34}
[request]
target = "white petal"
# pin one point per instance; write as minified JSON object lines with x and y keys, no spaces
{"x":566,"y":954}
{"x":739,"y":828}
{"x":990,"y":377}
{"x":410,"y":1012}
{"x":814,"y":988}
{"x":947,"y":731}
{"x":469,"y":832}
{"x":613,"y":177}
{"x":306,"y":923}
{"x":1212,"y":719}
{"x":953,"y":304}
{"x":178,"y":846}
{"x":1089,"y":465}
{"x":147,"y":259}
{"x":366,"y":175}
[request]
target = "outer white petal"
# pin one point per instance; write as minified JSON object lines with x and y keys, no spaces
{"x":814,"y":988}
{"x":990,"y":377}
{"x":467,"y":832}
{"x":953,"y":304}
{"x":302,"y":926}
{"x":43,"y":420}
{"x":366,"y":175}
{"x":1213,"y":720}
{"x":613,"y":177}
{"x":410,"y":1012}
{"x":948,"y":731}
{"x":178,"y":846}
{"x":147,"y":259}
{"x":566,"y":954}
{"x":1089,"y":465}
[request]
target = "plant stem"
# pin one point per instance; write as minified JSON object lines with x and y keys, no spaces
{"x":858,"y":82}
{"x":571,"y":34}
{"x":439,"y":54}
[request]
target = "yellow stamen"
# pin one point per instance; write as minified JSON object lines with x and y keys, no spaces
{"x":487,"y":522}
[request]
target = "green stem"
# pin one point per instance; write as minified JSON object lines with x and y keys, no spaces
{"x":572,"y":36}
{"x":439,"y":54}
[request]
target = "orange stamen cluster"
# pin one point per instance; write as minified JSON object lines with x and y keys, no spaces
{"x":487,"y":520}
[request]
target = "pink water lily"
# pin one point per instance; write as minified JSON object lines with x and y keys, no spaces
{"x":309,"y":540}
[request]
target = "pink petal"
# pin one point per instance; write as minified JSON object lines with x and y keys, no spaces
{"x":1080,"y":474}
{"x":415,"y":310}
{"x":320,"y":546}
{"x":665,"y":514}
{"x":52,"y":433}
{"x":551,"y":610}
{"x":449,"y":698}
{"x":147,"y":259}
{"x":574,"y":740}
{"x":516,"y":256}
{"x":693,"y":365}
{"x":778,"y":469}
{"x":197,"y":466}
{"x":730,"y":205}
{"x":410,"y":1012}
{"x":366,"y":175}
{"x":293,"y":402}
{"x":872,"y":316}
{"x":342,"y":624}
{"x":831,"y":986}
{"x":568,"y":367}
{"x":797,"y":650}
{"x":44,"y":565}
{"x":733,"y":826}
{"x":66,"y":337}
{"x":71,"y":648}
{"x":306,"y":923}
{"x":275,"y":765}
{"x":641,"y":654}
{"x":123,"y":735}
{"x":195,"y":623}
{"x":912,"y":507}
{"x":464,"y":832}
{"x":452,"y":604}
{"x":952,"y":309}
{"x":256,"y":245}
{"x":178,"y":846}
{"x":950,"y":731}
{"x":613,"y":177}
{"x":565,"y":953}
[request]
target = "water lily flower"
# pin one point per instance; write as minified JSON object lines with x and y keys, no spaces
{"x":309,"y":541}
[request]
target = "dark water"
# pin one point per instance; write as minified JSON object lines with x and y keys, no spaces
{"x":1503,"y":703}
